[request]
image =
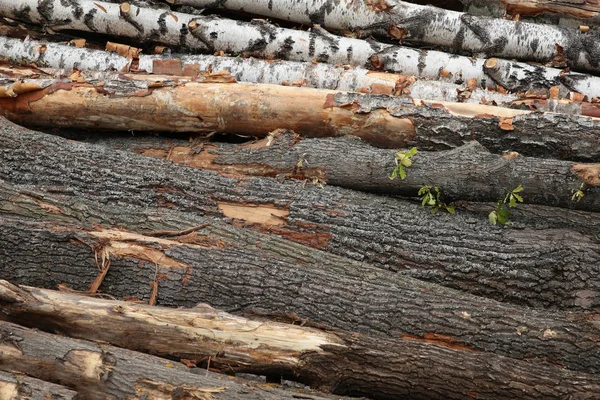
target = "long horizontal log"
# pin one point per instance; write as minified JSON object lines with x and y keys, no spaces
{"x":239,"y":269}
{"x":98,"y":371}
{"x":256,"y":110}
{"x":239,"y":344}
{"x":16,"y":386}
{"x":415,"y":23}
{"x":314,"y":75}
{"x":572,"y":14}
{"x":352,"y":164}
{"x":257,"y":38}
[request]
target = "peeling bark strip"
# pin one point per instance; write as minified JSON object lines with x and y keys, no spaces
{"x":16,"y":386}
{"x":387,"y":232}
{"x":350,"y":163}
{"x":456,"y":31}
{"x":247,"y":109}
{"x":99,"y":371}
{"x":239,"y":344}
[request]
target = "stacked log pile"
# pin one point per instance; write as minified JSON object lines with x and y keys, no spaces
{"x":299,"y":199}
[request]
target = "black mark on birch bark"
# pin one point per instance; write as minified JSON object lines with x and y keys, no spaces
{"x":88,"y":19}
{"x":74,"y":4}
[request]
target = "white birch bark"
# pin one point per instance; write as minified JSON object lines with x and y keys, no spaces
{"x":454,"y":30}
{"x":140,"y":23}
{"x":319,"y":75}
{"x":567,"y":13}
{"x":522,"y":77}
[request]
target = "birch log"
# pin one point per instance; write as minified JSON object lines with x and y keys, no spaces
{"x":521,"y":77}
{"x":459,"y":32}
{"x":239,"y":344}
{"x":256,"y":110}
{"x":391,"y":233}
{"x":350,"y":163}
{"x":99,"y":371}
{"x":258,"y":38}
{"x":572,"y":14}
{"x":319,"y":75}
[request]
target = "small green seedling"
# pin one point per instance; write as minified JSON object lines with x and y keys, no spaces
{"x":578,"y":195}
{"x":403,"y":161}
{"x":501,"y":215}
{"x":430,"y":197}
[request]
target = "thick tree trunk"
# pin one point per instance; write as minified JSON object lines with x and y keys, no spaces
{"x":16,"y":386}
{"x":99,"y":371}
{"x":454,"y":30}
{"x":238,"y":344}
{"x":248,"y":109}
{"x":352,"y":164}
{"x":149,"y":194}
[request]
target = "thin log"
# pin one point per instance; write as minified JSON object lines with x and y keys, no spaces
{"x":308,"y":354}
{"x":352,"y":164}
{"x":521,"y":77}
{"x":457,"y":31}
{"x":288,"y":73}
{"x":99,"y":371}
{"x":16,"y":386}
{"x":572,"y":14}
{"x":256,"y":110}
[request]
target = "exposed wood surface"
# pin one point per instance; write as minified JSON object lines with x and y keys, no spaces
{"x":337,"y":361}
{"x":256,"y":110}
{"x":100,"y":371}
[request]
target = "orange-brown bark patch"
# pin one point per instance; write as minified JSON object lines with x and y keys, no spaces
{"x":263,"y":214}
{"x":440,"y":340}
{"x":167,"y":67}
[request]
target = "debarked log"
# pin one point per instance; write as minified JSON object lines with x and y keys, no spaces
{"x":336,"y":361}
{"x":350,"y":163}
{"x":256,"y":109}
{"x":98,"y":371}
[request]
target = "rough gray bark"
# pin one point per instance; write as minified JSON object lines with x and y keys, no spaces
{"x":16,"y":386}
{"x":355,"y":225}
{"x":338,"y":361}
{"x":459,"y":32}
{"x":352,"y":164}
{"x":99,"y":371}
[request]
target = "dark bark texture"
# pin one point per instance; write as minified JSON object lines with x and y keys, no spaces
{"x":237,"y":269}
{"x":537,"y":264}
{"x":351,"y":163}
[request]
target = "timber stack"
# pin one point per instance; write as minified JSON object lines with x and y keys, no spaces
{"x":284,"y":199}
